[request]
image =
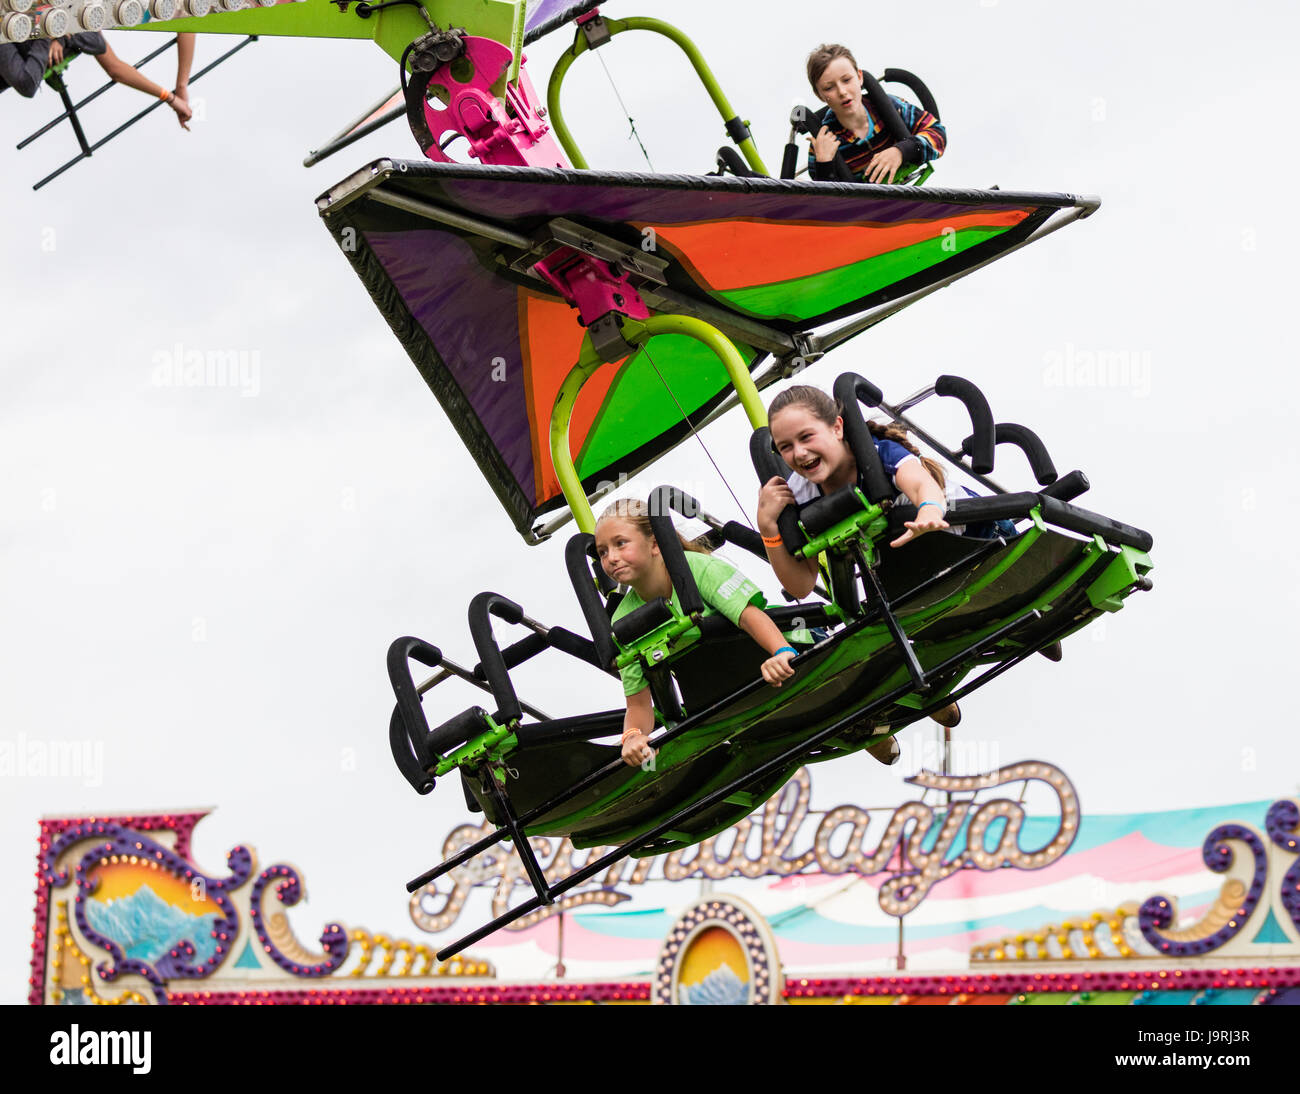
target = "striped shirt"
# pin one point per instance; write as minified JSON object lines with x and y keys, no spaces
{"x":926,"y":144}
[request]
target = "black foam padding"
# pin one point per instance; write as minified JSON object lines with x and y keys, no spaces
{"x":517,"y":653}
{"x":976,"y":510}
{"x":744,"y":537}
{"x":410,"y":709}
{"x":642,"y":620}
{"x":983,"y":434}
{"x":481,"y":609}
{"x":917,"y":87}
{"x":672,"y":551}
{"x":471,"y":802}
{"x":851,"y":390}
{"x":823,"y":512}
{"x":455,"y":731}
{"x":1069,"y":516}
{"x":1028,"y":442}
{"x":404,"y":756}
{"x":731,"y":160}
{"x":1068,"y":487}
{"x":574,"y":645}
{"x":588,"y":587}
{"x":885,"y":110}
{"x":790,"y":161}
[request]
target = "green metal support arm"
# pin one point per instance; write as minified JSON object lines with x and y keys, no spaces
{"x":656,"y":26}
{"x":638,"y":333}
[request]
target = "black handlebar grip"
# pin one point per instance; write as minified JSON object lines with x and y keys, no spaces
{"x":849,"y":389}
{"x":577,"y":562}
{"x":916,"y":85}
{"x":1025,"y":439}
{"x":409,"y":707}
{"x":1068,"y":487}
{"x":790,"y":161}
{"x":674,"y":554}
{"x":885,"y":110}
{"x":983,"y":435}
{"x":403,"y":753}
{"x":481,"y":609}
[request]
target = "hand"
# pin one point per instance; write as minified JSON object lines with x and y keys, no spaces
{"x":55,"y":54}
{"x":883,"y":166}
{"x":636,"y":749}
{"x":825,"y":145}
{"x":929,"y":518}
{"x":182,"y":108}
{"x":773,"y":498}
{"x":776,"y":668}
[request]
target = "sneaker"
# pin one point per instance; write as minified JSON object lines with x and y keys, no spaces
{"x":1053,"y":652}
{"x":948,"y":717}
{"x":887,"y":752}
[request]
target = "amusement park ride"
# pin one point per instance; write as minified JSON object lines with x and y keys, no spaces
{"x":576,"y":325}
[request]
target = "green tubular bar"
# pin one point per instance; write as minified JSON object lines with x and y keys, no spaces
{"x":637,"y":333}
{"x":656,"y":26}
{"x":392,"y":29}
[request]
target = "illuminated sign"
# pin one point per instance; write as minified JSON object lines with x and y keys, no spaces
{"x":919,"y":847}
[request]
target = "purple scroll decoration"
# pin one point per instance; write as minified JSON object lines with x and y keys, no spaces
{"x":1283,"y":826}
{"x":1157,"y":912}
{"x":126,"y":844}
{"x":333,"y":939}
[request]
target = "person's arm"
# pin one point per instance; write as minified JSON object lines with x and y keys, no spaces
{"x":797,"y":575}
{"x":926,"y":143}
{"x":184,"y":62}
{"x":638,"y":723}
{"x":120,"y":72}
{"x":918,"y":484}
{"x":759,"y":626}
{"x":22,"y":65}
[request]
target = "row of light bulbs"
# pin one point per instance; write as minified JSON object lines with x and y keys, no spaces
{"x":23,"y":19}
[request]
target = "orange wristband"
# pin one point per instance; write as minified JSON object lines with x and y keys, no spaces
{"x":164,"y":95}
{"x":628,"y":733}
{"x":772,"y":541}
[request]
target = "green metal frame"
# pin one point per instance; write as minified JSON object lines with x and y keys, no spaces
{"x":655,"y":26}
{"x":392,"y":29}
{"x":637,"y":333}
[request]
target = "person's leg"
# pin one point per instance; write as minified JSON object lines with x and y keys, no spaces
{"x":23,"y":66}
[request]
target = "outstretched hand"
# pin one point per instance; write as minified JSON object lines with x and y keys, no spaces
{"x":924,"y":522}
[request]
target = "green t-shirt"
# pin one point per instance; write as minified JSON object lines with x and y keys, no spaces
{"x":722,"y":587}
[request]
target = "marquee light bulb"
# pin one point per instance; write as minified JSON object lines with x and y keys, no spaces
{"x":128,"y":13}
{"x":16,"y":27}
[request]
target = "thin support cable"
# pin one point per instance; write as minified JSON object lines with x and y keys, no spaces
{"x":623,"y":107}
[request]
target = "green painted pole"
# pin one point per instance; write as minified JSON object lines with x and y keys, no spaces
{"x":654,"y":26}
{"x":638,"y":333}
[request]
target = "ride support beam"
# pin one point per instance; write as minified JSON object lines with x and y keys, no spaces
{"x":736,"y":129}
{"x":636,"y":333}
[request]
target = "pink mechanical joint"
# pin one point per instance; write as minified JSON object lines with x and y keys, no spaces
{"x":591,"y":285}
{"x":509,"y":131}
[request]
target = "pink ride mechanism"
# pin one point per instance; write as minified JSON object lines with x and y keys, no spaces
{"x":471,"y":108}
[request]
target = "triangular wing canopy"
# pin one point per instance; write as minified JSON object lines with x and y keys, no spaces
{"x":443,"y":250}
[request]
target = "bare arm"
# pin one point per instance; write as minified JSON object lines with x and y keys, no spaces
{"x":918,"y":484}
{"x":797,"y":575}
{"x":121,"y":72}
{"x":759,"y":626}
{"x":184,"y":62}
{"x":637,"y":724}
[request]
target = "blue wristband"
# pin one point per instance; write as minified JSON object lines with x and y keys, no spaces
{"x":787,"y":649}
{"x":925,"y":503}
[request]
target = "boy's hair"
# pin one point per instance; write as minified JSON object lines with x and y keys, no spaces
{"x":822,"y":407}
{"x":637,"y":513}
{"x":821,"y":57}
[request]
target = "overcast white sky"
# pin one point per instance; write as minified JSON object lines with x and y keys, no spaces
{"x":201,"y":583}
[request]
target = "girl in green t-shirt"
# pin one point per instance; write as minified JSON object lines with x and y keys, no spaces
{"x":629,"y":553}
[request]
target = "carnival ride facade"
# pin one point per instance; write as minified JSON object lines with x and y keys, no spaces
{"x":576,"y":325}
